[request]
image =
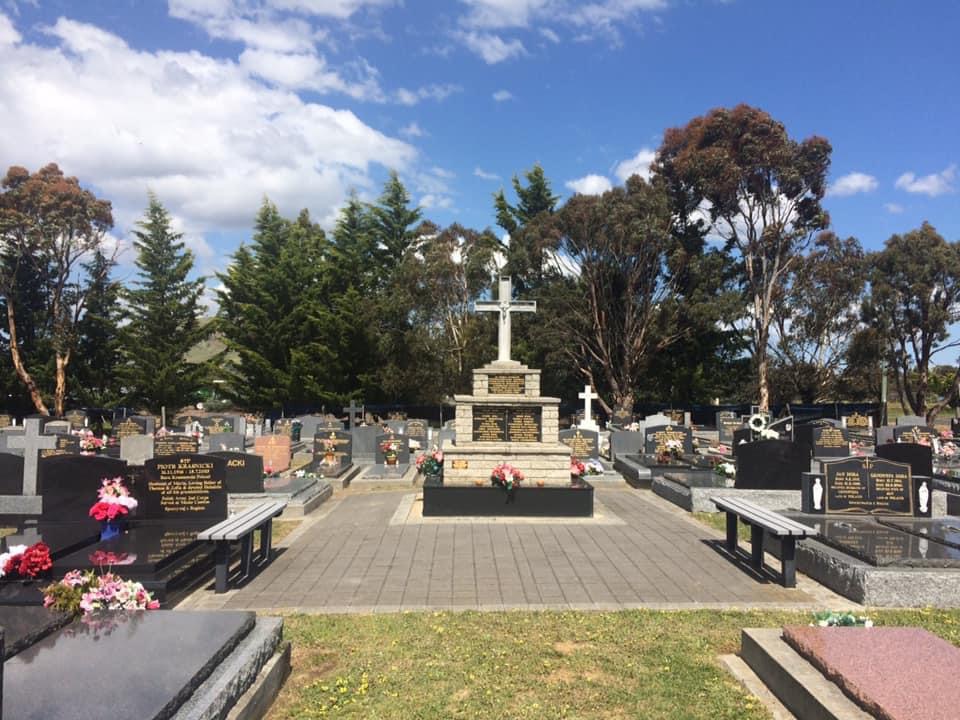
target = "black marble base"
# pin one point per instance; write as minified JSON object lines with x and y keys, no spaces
{"x":141,"y":665}
{"x":464,"y":501}
{"x":63,"y":538}
{"x":879,"y":544}
{"x":23,"y":626}
{"x":945,"y":531}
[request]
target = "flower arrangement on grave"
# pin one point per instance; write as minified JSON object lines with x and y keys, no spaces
{"x":725,"y":469}
{"x":506,"y":476}
{"x":85,"y":592}
{"x":670,"y":452}
{"x":391,"y":450}
{"x":90,"y":444}
{"x":25,"y":562}
{"x":430,"y":463}
{"x":114,"y":501}
{"x":577,"y":468}
{"x":835,"y":619}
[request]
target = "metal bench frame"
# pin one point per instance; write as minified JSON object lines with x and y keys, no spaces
{"x":240,"y":528}
{"x":762,"y":520}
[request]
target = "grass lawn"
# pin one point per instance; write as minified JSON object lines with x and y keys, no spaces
{"x":281,"y":528}
{"x":630,"y":664}
{"x":718,"y":521}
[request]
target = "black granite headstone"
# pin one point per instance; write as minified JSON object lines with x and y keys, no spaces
{"x":830,"y":441}
{"x":402,"y":451}
{"x":244,"y":471}
{"x":918,"y":457}
{"x":741,"y":436}
{"x":727,"y":423}
{"x":217,"y":424}
{"x":175,"y":445}
{"x":913,"y":433}
{"x":656,"y":438}
{"x":418,"y":430}
{"x":771,"y":465}
{"x":865,"y":486}
{"x":583,"y":444}
{"x":129,"y":426}
{"x":66,"y":445}
{"x":11,"y":474}
{"x":184,"y":487}
{"x":332,"y":451}
{"x":69,"y":483}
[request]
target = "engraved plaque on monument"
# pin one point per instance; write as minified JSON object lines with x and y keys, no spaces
{"x":506,"y":385}
{"x":658,"y":437}
{"x":523,"y":424}
{"x":582,"y":443}
{"x":865,"y":486}
{"x":831,"y":442}
{"x":66,"y":445}
{"x":129,"y":426}
{"x":184,"y":487}
{"x":175,"y":445}
{"x":489,"y":424}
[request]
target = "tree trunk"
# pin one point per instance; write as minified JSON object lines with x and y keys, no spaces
{"x":60,"y":393}
{"x":18,"y":365}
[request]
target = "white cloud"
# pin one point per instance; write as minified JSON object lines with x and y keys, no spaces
{"x":550,"y":35}
{"x":413,"y":130}
{"x":341,"y":9}
{"x":428,"y":92}
{"x":433,"y":202}
{"x":852,"y":184}
{"x":934,"y":184}
{"x":307,"y":71}
{"x":492,"y":48}
{"x":502,"y":95}
{"x":639,"y":164}
{"x":203,"y":133}
{"x":484,"y":175}
{"x":491,"y":14}
{"x":590,"y":185}
{"x":893,"y":208}
{"x":8,"y":33}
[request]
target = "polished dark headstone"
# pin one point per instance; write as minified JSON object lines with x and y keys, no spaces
{"x":417,"y":430}
{"x":829,"y":441}
{"x":403,"y":452}
{"x":913,"y":433}
{"x":332,"y":452}
{"x":584,"y":444}
{"x":244,"y":471}
{"x":11,"y":474}
{"x":656,"y":438}
{"x":183,"y":488}
{"x":144,"y":549}
{"x":62,"y":538}
{"x":625,"y":442}
{"x":154,"y":661}
{"x":24,"y":625}
{"x":918,"y":457}
{"x":66,"y":445}
{"x":945,"y":531}
{"x":877,"y":544}
{"x":741,"y":437}
{"x":175,"y":445}
{"x":225,"y":442}
{"x":216,"y":424}
{"x":69,"y":483}
{"x":771,"y":465}
{"x":866,"y":485}
{"x":727,"y":423}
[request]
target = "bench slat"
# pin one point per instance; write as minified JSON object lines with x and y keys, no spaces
{"x":770,"y":520}
{"x":242,"y":523}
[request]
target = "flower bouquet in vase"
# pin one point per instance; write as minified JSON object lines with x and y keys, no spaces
{"x":114,"y":504}
{"x":391,"y":451}
{"x":90,"y":444}
{"x":507,"y":477}
{"x":430,"y":464}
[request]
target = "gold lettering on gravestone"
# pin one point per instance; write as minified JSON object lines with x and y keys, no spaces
{"x":858,"y":421}
{"x":662,"y":437}
{"x":171,"y":542}
{"x":460,"y":464}
{"x":523,"y":426}
{"x":128,"y":427}
{"x":506,"y":384}
{"x":831,"y":437}
{"x":185,"y":486}
{"x":579,"y":445}
{"x":173,"y":445}
{"x":488,"y":425}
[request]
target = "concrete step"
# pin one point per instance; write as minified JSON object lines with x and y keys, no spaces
{"x":802,"y":688}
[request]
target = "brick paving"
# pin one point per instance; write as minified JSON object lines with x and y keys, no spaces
{"x":353,"y":559}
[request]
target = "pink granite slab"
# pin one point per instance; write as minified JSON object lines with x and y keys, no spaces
{"x":892,"y":673}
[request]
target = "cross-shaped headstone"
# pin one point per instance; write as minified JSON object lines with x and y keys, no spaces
{"x":588,"y":396}
{"x":32,"y":441}
{"x":353,"y":410}
{"x":505,"y":305}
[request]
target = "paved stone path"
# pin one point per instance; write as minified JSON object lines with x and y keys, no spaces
{"x":352,"y":559}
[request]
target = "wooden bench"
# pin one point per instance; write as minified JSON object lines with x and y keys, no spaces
{"x":761,"y":520}
{"x":240,"y":528}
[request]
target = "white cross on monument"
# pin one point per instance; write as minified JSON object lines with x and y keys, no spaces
{"x":505,"y":305}
{"x":588,"y":396}
{"x":32,"y":442}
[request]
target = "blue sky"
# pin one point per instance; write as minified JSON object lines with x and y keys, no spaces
{"x":214,"y":104}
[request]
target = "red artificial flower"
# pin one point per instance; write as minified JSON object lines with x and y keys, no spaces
{"x":33,"y":561}
{"x":107,"y":511}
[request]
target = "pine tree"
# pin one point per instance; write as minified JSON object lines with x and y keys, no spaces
{"x":164,"y":313}
{"x":98,"y":342}
{"x":393,"y":222}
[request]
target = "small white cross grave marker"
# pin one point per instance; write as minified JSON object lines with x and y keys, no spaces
{"x":505,"y":305}
{"x":588,"y":396}
{"x":32,"y":442}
